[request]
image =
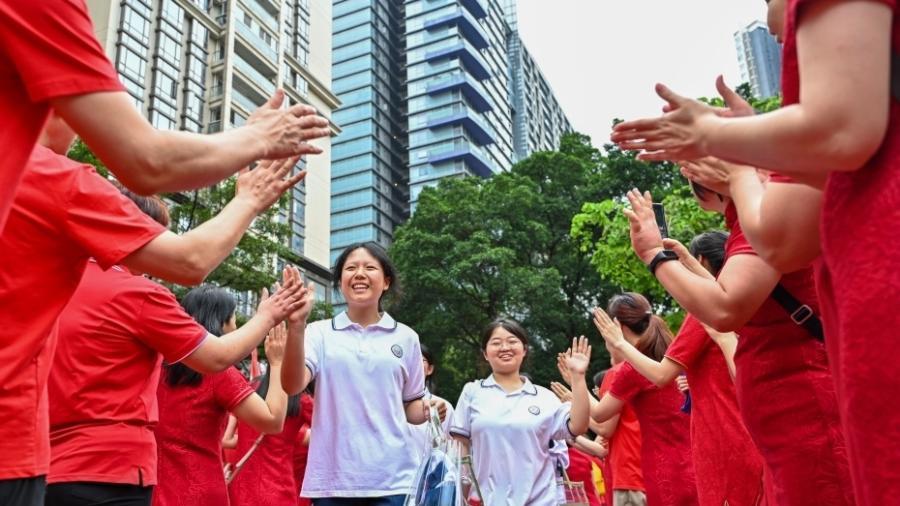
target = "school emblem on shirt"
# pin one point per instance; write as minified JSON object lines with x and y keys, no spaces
{"x":397,"y":351}
{"x":534,"y":410}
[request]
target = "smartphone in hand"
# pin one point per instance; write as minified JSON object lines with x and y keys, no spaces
{"x":660,"y":213}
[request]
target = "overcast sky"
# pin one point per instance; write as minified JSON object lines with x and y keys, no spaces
{"x":603,"y":57}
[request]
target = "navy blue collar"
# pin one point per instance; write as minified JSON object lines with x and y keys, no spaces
{"x":527,"y":387}
{"x":343,"y":322}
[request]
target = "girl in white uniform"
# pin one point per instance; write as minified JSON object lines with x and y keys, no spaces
{"x":508,"y":423}
{"x":369,"y":386}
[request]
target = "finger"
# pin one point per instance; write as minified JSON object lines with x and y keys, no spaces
{"x":302,"y":110}
{"x":731,"y":98}
{"x":658,"y":155}
{"x":665,"y":93}
{"x":284,"y":166}
{"x":293,"y":180}
{"x":637,"y":124}
{"x":305,"y":148}
{"x":313,"y":126}
{"x":263,"y":294}
{"x":275,"y":100}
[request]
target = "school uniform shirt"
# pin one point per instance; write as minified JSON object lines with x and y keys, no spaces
{"x":47,"y":50}
{"x":113,"y":336}
{"x":510,"y":435}
{"x":420,"y":435}
{"x":364,"y":377}
{"x":64,"y":214}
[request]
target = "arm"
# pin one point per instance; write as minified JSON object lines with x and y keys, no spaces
{"x":216,"y":355}
{"x":727,"y":302}
{"x":187,"y":259}
{"x":844,"y":51}
{"x":607,"y":408}
{"x":590,"y":447}
{"x":295,"y":374}
{"x":659,"y":373}
{"x":727,"y":342}
{"x":268,"y":415}
{"x":229,"y":439}
{"x":153,"y":161}
{"x":606,"y":428}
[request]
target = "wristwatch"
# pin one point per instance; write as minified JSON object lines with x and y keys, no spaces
{"x":663,"y":256}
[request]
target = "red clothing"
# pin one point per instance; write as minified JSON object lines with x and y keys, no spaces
{"x":783,"y":377}
{"x":665,"y":438}
{"x":726,"y":463}
{"x":192,"y":422}
{"x":858,"y":281}
{"x":267,"y":477}
{"x":113,"y":336}
{"x":580,"y":471}
{"x":625,"y":444}
{"x":301,"y":451}
{"x":64,"y":213}
{"x":47,"y":51}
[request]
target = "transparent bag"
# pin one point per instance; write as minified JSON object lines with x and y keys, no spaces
{"x":445,"y":477}
{"x":572,"y":492}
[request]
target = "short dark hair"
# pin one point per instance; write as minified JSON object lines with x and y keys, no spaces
{"x":633,"y":310}
{"x":429,"y":356}
{"x":211,"y":307}
{"x":509,"y":325}
{"x":598,"y":378}
{"x":151,"y":205}
{"x":710,"y":245}
{"x":701,"y":191}
{"x":387,"y":266}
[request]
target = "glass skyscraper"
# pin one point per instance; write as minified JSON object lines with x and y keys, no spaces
{"x":759,"y":57}
{"x":428,"y":91}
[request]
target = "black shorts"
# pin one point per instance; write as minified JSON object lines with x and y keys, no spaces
{"x":83,"y":493}
{"x":23,"y":491}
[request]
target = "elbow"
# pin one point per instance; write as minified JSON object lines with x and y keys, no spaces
{"x":191,"y":270}
{"x":725,"y":321}
{"x":660,"y":382}
{"x":274,"y":426}
{"x":578,"y":428}
{"x":851,"y":143}
{"x":145,"y":174}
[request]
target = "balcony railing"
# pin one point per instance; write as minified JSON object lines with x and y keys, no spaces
{"x":255,"y":76}
{"x":256,"y":41}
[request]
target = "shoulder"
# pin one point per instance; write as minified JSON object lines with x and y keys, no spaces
{"x":406,"y":332}
{"x":545,"y":395}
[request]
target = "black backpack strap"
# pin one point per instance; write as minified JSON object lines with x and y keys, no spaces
{"x":800,"y":313}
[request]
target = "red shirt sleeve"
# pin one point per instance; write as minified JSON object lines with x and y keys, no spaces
{"x":104,"y":222}
{"x":51,"y":44}
{"x":608,"y":379}
{"x":628,"y":383}
{"x":690,"y":343}
{"x":163,"y":325}
{"x":306,"y":408}
{"x":230,"y":388}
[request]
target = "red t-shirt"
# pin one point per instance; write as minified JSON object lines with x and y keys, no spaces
{"x":268,"y":475}
{"x":64,"y":213}
{"x":192,"y":422}
{"x":113,"y":336}
{"x":668,"y":469}
{"x":727,"y":464}
{"x":625,"y":444}
{"x":301,"y":451}
{"x":47,"y":51}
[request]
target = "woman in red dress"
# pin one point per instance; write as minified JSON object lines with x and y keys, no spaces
{"x":728,"y":467}
{"x":665,"y":431}
{"x":193,"y":409}
{"x":301,"y":443}
{"x":840,"y":125}
{"x":267,"y":477}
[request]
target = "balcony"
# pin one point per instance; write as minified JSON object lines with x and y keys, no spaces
{"x":468,"y":26}
{"x":254,"y":76}
{"x":472,"y":90}
{"x":476,"y":7}
{"x":255,"y":41}
{"x":468,"y":55}
{"x":246,"y":103}
{"x":473,"y":157}
{"x":478,"y":130}
{"x":263,"y":14}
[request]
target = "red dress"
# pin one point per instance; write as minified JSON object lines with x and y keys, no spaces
{"x":301,"y":451}
{"x":858,"y":281}
{"x":267,"y":477}
{"x":192,"y":422}
{"x":665,"y":438}
{"x":786,"y":394}
{"x":581,"y":471}
{"x":727,"y":465}
{"x":624,"y":445}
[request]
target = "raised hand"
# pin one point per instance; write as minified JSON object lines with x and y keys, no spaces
{"x":734,"y":103}
{"x":646,"y":240}
{"x":679,"y":134}
{"x":563,"y":368}
{"x":265,"y":184}
{"x":299,"y":316}
{"x":578,"y":356}
{"x":608,"y":328}
{"x":275,"y":342}
{"x":686,"y":259}
{"x":561,"y":391}
{"x":285,"y":132}
{"x":286,"y":299}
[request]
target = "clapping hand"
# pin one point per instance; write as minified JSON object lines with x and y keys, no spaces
{"x":608,"y":328}
{"x":561,"y":391}
{"x":578,"y":357}
{"x":645,"y":237}
{"x":275,"y":343}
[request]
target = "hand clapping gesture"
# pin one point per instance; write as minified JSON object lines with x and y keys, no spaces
{"x":645,"y":237}
{"x":610,"y":329}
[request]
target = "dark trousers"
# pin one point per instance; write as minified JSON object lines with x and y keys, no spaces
{"x":82,"y":493}
{"x":391,"y":500}
{"x":23,"y":491}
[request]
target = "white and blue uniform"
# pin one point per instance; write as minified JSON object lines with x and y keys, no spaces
{"x":510,"y":437}
{"x":364,"y":376}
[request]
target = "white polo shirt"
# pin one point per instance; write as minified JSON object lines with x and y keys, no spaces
{"x":420,"y":434}
{"x":510,"y":438}
{"x":363,"y":379}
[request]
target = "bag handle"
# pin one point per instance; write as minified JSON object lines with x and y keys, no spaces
{"x":240,"y":463}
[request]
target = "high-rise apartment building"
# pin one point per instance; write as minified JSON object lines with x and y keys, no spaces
{"x":206,"y":65}
{"x":759,"y":57}
{"x":428,"y":91}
